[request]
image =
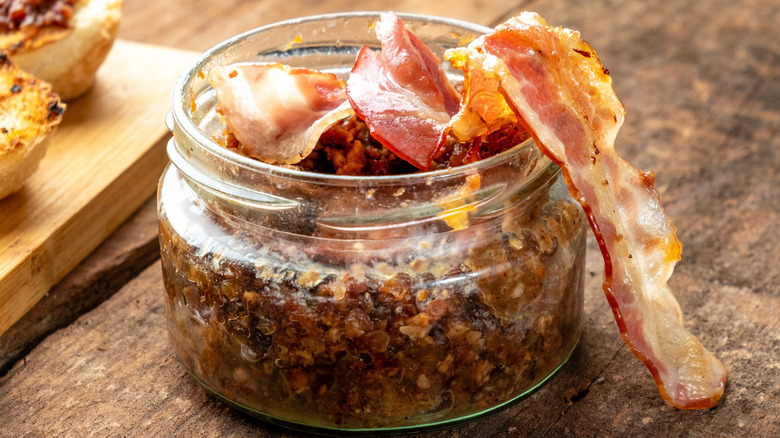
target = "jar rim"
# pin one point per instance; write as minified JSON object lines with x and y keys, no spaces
{"x":181,"y":102}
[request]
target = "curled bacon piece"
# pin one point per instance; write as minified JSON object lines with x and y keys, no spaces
{"x":278,"y":112}
{"x":484,"y":109}
{"x":564,"y":96}
{"x":402,"y":93}
{"x":27,"y":14}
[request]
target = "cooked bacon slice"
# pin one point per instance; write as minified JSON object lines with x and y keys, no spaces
{"x":402,"y":93}
{"x":278,"y":112}
{"x":557,"y":84}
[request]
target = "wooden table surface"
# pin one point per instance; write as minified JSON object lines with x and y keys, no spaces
{"x":700,"y":81}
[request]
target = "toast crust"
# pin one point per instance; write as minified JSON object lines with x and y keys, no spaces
{"x":29,"y":113}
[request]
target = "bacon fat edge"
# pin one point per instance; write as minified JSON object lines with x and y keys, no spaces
{"x":278,"y":112}
{"x":402,"y":93}
{"x":564,"y":97}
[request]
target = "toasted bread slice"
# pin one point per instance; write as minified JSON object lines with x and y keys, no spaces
{"x":29,"y":112}
{"x":68,"y":58}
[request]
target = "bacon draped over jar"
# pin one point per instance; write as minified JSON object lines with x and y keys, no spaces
{"x":402,"y":93}
{"x":277,"y":112}
{"x":21,"y":14}
{"x":563,"y":95}
{"x":542,"y":78}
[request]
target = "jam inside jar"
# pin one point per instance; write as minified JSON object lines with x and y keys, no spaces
{"x":368,"y":304}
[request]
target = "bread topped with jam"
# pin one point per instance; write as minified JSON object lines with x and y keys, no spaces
{"x":29,"y":113}
{"x":62,"y":42}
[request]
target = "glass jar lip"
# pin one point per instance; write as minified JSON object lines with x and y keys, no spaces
{"x":179,"y":113}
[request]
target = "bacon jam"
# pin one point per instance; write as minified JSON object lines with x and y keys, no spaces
{"x":23,"y":14}
{"x":376,"y":332}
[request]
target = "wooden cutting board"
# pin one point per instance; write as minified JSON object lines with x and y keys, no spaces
{"x":103,"y":162}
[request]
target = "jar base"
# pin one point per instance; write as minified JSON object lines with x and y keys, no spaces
{"x":336,"y":431}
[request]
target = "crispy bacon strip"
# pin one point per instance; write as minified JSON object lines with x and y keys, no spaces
{"x":402,"y":93}
{"x":557,"y":84}
{"x":278,"y":112}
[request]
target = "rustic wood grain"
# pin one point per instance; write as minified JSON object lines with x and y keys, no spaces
{"x":101,"y":166}
{"x":127,"y":252}
{"x":200,"y":24}
{"x":700,"y":84}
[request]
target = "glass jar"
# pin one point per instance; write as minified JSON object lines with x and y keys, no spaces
{"x":369,"y":304}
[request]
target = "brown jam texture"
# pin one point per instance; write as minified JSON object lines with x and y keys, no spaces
{"x":22,"y":14}
{"x":390,"y":333}
{"x":296,"y":319}
{"x":348,"y":148}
